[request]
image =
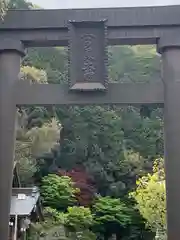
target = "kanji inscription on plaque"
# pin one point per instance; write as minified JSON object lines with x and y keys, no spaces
{"x":87,"y":55}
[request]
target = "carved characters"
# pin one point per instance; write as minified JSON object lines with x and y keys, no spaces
{"x":89,"y":67}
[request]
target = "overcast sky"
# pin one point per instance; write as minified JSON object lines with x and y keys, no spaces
{"x":101,"y":3}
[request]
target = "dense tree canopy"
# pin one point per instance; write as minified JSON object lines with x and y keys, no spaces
{"x":151,"y":197}
{"x":78,"y":218}
{"x":113,"y":145}
{"x":111,"y":216}
{"x":58,"y":192}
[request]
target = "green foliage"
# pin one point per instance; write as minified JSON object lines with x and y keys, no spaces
{"x":111,"y":210}
{"x":51,"y":228}
{"x":44,"y":138}
{"x":111,"y":215}
{"x":58,"y":192}
{"x":78,"y":218}
{"x":99,"y":149}
{"x":19,"y":4}
{"x":51,"y":218}
{"x":133,"y":64}
{"x":32,"y":143}
{"x":143,"y":135}
{"x":150,"y":196}
{"x":78,"y":221}
{"x":92,"y":137}
{"x":55,"y":216}
{"x":34,"y":116}
{"x":52,"y":60}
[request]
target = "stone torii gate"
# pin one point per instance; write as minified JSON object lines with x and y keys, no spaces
{"x":87,"y":33}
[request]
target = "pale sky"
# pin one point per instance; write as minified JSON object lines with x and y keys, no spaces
{"x":101,"y":3}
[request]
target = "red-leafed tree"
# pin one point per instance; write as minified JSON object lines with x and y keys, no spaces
{"x":84,"y":182}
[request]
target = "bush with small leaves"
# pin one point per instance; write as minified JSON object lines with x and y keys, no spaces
{"x":58,"y":192}
{"x":78,"y":218}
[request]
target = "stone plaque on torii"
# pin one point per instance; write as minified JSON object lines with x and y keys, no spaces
{"x":87,"y":33}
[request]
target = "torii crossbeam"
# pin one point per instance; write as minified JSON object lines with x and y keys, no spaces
{"x":87,"y":33}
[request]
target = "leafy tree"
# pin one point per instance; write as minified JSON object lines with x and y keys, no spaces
{"x":84,"y":182}
{"x":78,"y":218}
{"x":102,"y":151}
{"x":78,"y":221}
{"x":35,"y":116}
{"x":71,"y":225}
{"x":151,"y":197}
{"x":58,"y":192}
{"x":131,"y":166}
{"x":52,"y":60}
{"x":44,"y":138}
{"x":19,"y":4}
{"x":55,"y":216}
{"x":143,"y":135}
{"x":91,"y":137}
{"x":134,"y":64}
{"x":111,"y":216}
{"x":37,"y":131}
{"x":32,"y":143}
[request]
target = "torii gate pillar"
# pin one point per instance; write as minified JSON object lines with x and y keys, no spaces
{"x":169,"y":47}
{"x":10,"y":56}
